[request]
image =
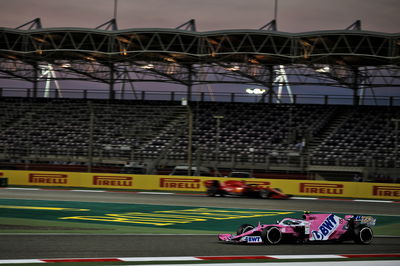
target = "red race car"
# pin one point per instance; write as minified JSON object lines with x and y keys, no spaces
{"x":243,"y":189}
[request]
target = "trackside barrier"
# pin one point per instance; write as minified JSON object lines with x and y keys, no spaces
{"x":193,"y":183}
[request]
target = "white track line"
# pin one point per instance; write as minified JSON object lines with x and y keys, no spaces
{"x":82,"y":190}
{"x":304,"y":198}
{"x":323,"y":263}
{"x":271,"y":259}
{"x":22,"y":188}
{"x":379,"y":201}
{"x":156,"y":193}
{"x":160,"y":259}
{"x":20,"y":261}
{"x":291,"y":257}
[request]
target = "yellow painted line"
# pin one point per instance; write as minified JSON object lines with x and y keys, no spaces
{"x":40,"y":208}
{"x":172,"y":217}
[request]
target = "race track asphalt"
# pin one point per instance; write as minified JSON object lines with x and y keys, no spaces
{"x":18,"y":246}
{"x":106,"y":246}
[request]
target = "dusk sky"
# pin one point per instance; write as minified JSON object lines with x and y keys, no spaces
{"x":293,"y":16}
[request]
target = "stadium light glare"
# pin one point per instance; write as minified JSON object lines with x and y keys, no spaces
{"x":90,"y":58}
{"x":324,"y":69}
{"x":169,"y":59}
{"x":256,"y":91}
{"x":122,"y":39}
{"x":253,"y":61}
{"x":38,"y":39}
{"x":149,"y":66}
{"x":123,"y":51}
{"x":234,"y":68}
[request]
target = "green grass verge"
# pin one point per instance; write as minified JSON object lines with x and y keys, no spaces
{"x":42,"y":216}
{"x":387,"y":229}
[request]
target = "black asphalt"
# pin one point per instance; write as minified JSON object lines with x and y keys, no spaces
{"x":114,"y":246}
{"x":84,"y":246}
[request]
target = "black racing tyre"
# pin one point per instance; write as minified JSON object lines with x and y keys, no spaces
{"x":212,"y":191}
{"x":244,"y":228}
{"x":363,"y":235}
{"x":264,"y":194}
{"x":271,"y":235}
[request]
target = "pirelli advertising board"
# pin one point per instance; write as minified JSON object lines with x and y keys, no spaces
{"x":182,"y":183}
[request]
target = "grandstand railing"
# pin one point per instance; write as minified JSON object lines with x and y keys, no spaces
{"x":248,"y":162}
{"x":212,"y":97}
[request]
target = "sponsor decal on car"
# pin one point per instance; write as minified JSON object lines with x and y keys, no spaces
{"x":321,"y":188}
{"x":326,"y":228}
{"x":252,"y":239}
{"x":369,"y":220}
{"x":120,"y":181}
{"x":192,"y":183}
{"x":258,"y":183}
{"x":386,"y":191}
{"x":44,"y":178}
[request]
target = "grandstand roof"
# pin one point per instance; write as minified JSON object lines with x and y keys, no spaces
{"x":343,"y":47}
{"x":349,"y":57}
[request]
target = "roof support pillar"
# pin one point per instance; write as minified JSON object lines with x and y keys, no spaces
{"x":189,"y":83}
{"x":355,"y":88}
{"x":189,"y":92}
{"x":270,"y":86}
{"x":35,"y":80}
{"x":111,"y":94}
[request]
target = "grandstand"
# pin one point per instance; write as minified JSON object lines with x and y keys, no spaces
{"x":263,"y":138}
{"x":297,"y":136}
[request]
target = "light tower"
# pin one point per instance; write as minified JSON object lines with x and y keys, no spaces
{"x":48,"y":74}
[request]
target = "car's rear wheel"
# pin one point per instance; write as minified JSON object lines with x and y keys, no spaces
{"x":244,"y":228}
{"x":212,"y":191}
{"x":264,"y":194}
{"x":272,"y":235}
{"x":363,"y":235}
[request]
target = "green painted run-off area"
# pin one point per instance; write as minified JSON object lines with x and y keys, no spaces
{"x":38,"y":216}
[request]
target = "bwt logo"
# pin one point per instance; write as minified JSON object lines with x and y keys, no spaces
{"x":180,"y":183}
{"x":321,"y":188}
{"x":122,"y":181}
{"x":326,"y":228}
{"x":386,"y":191}
{"x":48,"y":178}
{"x":253,"y":239}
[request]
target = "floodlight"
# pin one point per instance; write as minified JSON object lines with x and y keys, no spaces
{"x":256,"y":91}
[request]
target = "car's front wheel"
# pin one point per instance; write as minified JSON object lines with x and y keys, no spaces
{"x":271,"y":235}
{"x":244,"y":228}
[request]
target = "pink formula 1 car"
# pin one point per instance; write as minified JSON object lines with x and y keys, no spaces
{"x":313,"y":227}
